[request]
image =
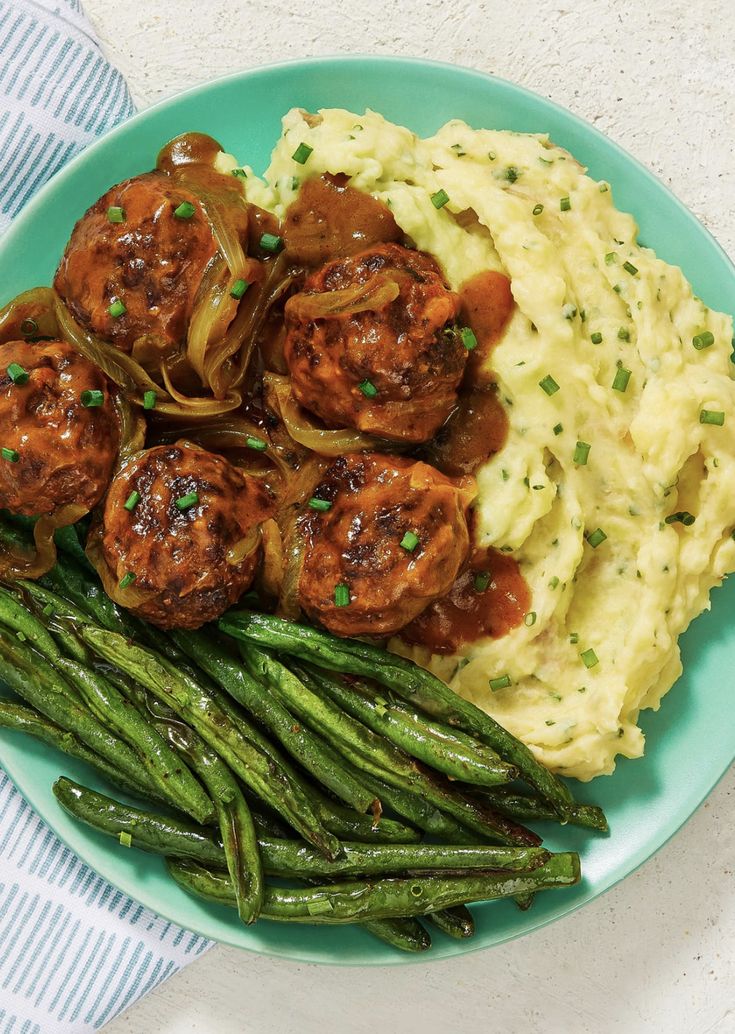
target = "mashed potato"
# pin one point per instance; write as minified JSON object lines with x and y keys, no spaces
{"x":614,"y":490}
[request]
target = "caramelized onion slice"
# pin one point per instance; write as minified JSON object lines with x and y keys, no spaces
{"x":302,"y":428}
{"x":35,"y":561}
{"x":29,"y":315}
{"x":375,"y":294}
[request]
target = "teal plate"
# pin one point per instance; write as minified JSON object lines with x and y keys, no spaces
{"x":689,"y":742}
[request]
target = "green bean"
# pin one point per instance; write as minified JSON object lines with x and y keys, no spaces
{"x":158,"y":834}
{"x":288,"y":858}
{"x":361,"y":900}
{"x":61,"y":618}
{"x":524,"y":806}
{"x":22,"y":621}
{"x":164,"y":769}
{"x":437,"y":746}
{"x":180,"y":692}
{"x":25,"y":719}
{"x":67,"y":541}
{"x":419,"y":812}
{"x":340,"y":821}
{"x":33,"y":679}
{"x":405,"y":934}
{"x":376,"y":755}
{"x":456,"y":922}
{"x":300,"y":742}
{"x":350,"y":825}
{"x":415,"y":684}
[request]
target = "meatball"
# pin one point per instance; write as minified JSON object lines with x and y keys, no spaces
{"x":59,"y":443}
{"x":181,"y":528}
{"x":392,"y":540}
{"x":131,"y":254}
{"x":392,"y":369}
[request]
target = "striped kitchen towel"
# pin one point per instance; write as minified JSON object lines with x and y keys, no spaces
{"x":74,"y":952}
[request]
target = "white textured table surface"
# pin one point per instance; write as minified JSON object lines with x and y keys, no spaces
{"x":657,"y":953}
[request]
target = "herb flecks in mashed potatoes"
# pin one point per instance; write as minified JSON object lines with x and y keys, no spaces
{"x":590,"y":489}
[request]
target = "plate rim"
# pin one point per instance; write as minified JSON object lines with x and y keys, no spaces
{"x":146,"y":896}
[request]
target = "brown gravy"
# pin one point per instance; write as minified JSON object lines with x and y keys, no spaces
{"x":469,"y":611}
{"x":330,"y":219}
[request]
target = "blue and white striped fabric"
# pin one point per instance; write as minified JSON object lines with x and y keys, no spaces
{"x":57,"y":93}
{"x":74,"y":952}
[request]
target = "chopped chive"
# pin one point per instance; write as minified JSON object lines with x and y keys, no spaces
{"x":271,"y":242}
{"x":92,"y":398}
{"x":132,"y":501}
{"x":126,"y":840}
{"x":512,"y":174}
{"x":589,"y":658}
{"x":149,"y":399}
{"x":322,"y":505}
{"x":301,"y":154}
{"x":549,"y":385}
{"x":28,"y":327}
{"x":21,"y":635}
{"x":126,"y":580}
{"x":240,"y":173}
{"x":620,"y":381}
{"x":554,"y":582}
{"x":574,"y":637}
{"x":546,"y":161}
{"x":185,"y":502}
{"x":624,"y":334}
{"x":491,"y":156}
{"x":115,"y":214}
{"x":117,"y":308}
{"x":501,"y":682}
{"x":504,"y":474}
{"x":368,"y":389}
{"x":256,"y":443}
{"x":630,"y":268}
{"x":569,"y":311}
{"x":603,"y":188}
{"x":681,"y":517}
{"x":341,"y":595}
{"x":565,"y":204}
{"x":48,"y":610}
{"x":558,"y":428}
{"x":185,"y":210}
{"x":610,"y":258}
{"x":17,"y":374}
{"x":530,"y":618}
{"x":712,"y":416}
{"x":596,"y":538}
{"x":409,"y":541}
{"x":316,"y":908}
{"x":440,"y":198}
{"x":596,"y":338}
{"x":10,"y":455}
{"x":481,"y":581}
{"x":581,"y":452}
{"x":239,"y":288}
{"x":537,"y":209}
{"x":703,"y":340}
{"x":468,"y":338}
{"x":294,"y":183}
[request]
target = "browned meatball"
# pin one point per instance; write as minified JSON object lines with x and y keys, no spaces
{"x":392,"y":541}
{"x":151,"y":262}
{"x":56,"y":449}
{"x":387,"y":358}
{"x":189,"y":535}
